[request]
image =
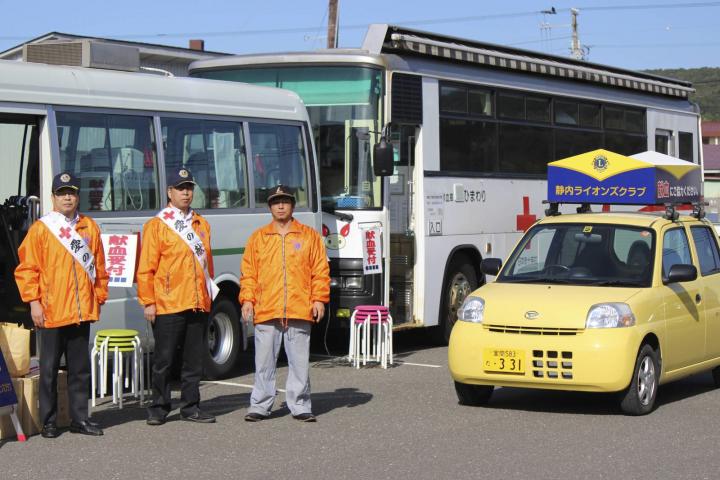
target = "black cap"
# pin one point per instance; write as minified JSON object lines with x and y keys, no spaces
{"x":180,"y":176}
{"x":281,"y":191}
{"x":65,"y":180}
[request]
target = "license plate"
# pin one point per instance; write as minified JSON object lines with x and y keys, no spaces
{"x":503,"y":360}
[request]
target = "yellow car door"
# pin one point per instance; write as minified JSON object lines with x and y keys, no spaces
{"x":683,"y":305}
{"x":705,"y":242}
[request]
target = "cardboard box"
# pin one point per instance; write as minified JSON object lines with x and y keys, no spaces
{"x":30,"y":418}
{"x":7,"y":430}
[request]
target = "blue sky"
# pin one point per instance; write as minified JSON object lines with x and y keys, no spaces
{"x":635,"y":34}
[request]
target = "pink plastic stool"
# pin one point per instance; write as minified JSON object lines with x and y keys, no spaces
{"x":371,"y":334}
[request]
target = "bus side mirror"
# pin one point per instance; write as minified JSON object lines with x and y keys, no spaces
{"x":490,"y":266}
{"x":383,"y":158}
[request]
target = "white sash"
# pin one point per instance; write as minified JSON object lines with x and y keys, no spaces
{"x":183,"y":227}
{"x":65,"y":233}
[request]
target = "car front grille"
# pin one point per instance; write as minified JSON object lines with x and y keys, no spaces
{"x":533,"y":330}
{"x":552,"y":364}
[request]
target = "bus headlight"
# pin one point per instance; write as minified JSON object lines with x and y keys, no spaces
{"x":354,"y":283}
{"x":610,"y":315}
{"x":472,"y":310}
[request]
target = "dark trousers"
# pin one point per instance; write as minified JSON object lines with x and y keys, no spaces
{"x":71,"y":340}
{"x":185,"y":330}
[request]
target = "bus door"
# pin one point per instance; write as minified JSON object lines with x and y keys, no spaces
{"x":19,"y":202}
{"x":360,"y":136}
{"x":402,"y":234}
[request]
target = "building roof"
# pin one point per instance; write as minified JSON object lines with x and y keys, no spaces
{"x":710,"y":129}
{"x":149,"y":51}
{"x":711,"y":157}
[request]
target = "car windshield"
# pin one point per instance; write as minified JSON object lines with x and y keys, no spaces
{"x":583,"y":254}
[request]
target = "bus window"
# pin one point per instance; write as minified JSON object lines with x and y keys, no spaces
{"x":278,"y":158}
{"x":114,"y":158}
{"x":214,"y":151}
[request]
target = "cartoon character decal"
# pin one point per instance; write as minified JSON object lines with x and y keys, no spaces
{"x":335,"y":241}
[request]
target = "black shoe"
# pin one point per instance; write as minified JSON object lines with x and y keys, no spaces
{"x":50,"y":430}
{"x":253,"y":417}
{"x":200,"y":417}
{"x":86,"y":428}
{"x":305,"y":417}
{"x":155,"y":420}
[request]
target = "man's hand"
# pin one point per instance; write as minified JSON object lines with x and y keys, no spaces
{"x":150,"y":312}
{"x":37,"y":313}
{"x":248,"y":310}
{"x":318,"y":311}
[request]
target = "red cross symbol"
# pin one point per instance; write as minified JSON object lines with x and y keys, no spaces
{"x":525,"y":220}
{"x":64,"y":232}
{"x":169,"y":215}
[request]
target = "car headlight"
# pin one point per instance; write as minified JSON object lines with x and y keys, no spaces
{"x":610,"y":315}
{"x":472,"y":310}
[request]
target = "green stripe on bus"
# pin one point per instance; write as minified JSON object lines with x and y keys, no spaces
{"x":227,"y":251}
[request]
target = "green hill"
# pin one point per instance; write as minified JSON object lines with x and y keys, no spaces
{"x":706,"y":82}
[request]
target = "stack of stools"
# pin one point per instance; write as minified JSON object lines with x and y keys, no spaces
{"x":128,"y":368}
{"x":371,"y":328}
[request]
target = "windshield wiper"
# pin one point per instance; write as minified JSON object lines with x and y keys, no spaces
{"x":618,"y":283}
{"x":345,"y":217}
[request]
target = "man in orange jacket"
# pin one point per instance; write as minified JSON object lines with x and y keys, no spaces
{"x":284,"y":287}
{"x":176,"y":288}
{"x":62,"y":276}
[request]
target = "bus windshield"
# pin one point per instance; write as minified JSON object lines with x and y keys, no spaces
{"x":344,"y":108}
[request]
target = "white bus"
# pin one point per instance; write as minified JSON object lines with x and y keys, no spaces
{"x":473,"y":126}
{"x":120,"y":132}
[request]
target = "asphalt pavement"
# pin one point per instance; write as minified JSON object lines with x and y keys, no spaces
{"x":399,"y":423}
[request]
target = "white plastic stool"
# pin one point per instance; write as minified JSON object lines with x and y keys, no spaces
{"x":128,"y":370}
{"x":371,"y":335}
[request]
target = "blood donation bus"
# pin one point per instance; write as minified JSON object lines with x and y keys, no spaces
{"x":473,"y":126}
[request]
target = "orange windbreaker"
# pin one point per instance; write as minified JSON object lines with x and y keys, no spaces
{"x":282,"y":277}
{"x":45,"y":273}
{"x":169,"y":275}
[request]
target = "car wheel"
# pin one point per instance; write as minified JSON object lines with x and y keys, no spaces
{"x":639,"y":398}
{"x":473,"y":395}
{"x":223,"y":338}
{"x":716,"y":376}
{"x":460,"y":281}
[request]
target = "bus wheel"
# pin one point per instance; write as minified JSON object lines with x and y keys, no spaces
{"x":460,"y":280}
{"x":223,"y":338}
{"x":473,"y":395}
{"x":639,"y":398}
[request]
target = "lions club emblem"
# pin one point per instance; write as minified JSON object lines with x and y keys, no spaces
{"x":183,"y":173}
{"x":64,"y":178}
{"x":600,"y":163}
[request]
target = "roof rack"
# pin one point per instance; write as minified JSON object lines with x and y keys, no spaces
{"x":671,"y":209}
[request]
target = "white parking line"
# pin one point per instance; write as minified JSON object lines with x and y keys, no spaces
{"x":428,"y":365}
{"x":233,"y":384}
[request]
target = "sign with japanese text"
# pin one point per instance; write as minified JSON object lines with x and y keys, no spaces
{"x":372,"y":250}
{"x":120,"y":255}
{"x":601,"y":176}
{"x":7,"y":392}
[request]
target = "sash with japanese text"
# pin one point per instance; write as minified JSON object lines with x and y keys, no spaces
{"x":183,"y":227}
{"x":77,"y":246}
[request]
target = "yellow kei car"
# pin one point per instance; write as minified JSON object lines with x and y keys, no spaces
{"x":596,"y":302}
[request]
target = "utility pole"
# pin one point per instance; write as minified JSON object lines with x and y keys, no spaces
{"x":332,"y":36}
{"x":575,"y":49}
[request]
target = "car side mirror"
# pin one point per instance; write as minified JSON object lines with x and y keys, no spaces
{"x":490,"y":266}
{"x":383,"y":158}
{"x":682,"y":273}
